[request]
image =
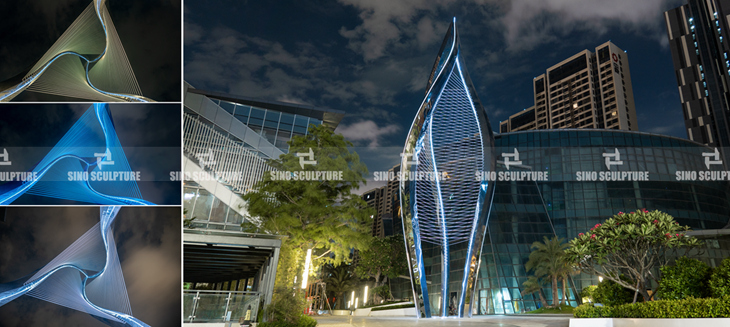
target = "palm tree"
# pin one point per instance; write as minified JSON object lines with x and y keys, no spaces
{"x":547,"y":259}
{"x":532,"y":285}
{"x":339,"y":280}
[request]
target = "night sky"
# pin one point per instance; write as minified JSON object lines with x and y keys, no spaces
{"x":149,"y":31}
{"x":371,"y":59}
{"x":148,"y":242}
{"x":148,"y":133}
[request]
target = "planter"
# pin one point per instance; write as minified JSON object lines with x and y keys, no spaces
{"x":340,"y":312}
{"x":402,"y":312}
{"x":649,"y":322}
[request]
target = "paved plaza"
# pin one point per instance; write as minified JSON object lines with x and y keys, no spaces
{"x":481,"y":321}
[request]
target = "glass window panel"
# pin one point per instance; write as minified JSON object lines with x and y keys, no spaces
{"x":257,"y":113}
{"x":300,"y":130}
{"x":227,"y":106}
{"x":269,"y":134}
{"x":189,"y":196}
{"x":242,"y":118}
{"x":271,"y":124}
{"x":272,"y":116}
{"x":203,"y":204}
{"x":219,"y":210}
{"x":285,"y":127}
{"x":287,"y":118}
{"x":301,"y":121}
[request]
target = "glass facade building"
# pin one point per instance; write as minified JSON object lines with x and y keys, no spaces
{"x":526,"y":211}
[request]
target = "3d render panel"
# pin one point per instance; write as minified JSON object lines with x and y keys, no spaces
{"x":90,"y":50}
{"x":104,"y":154}
{"x":90,"y":266}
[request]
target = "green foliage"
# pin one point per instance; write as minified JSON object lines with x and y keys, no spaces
{"x":339,"y":280}
{"x":588,"y":310}
{"x":720,"y":280}
{"x":687,"y":308}
{"x":687,"y":278}
{"x":286,"y":307}
{"x":382,"y":291}
{"x":562,"y":309}
{"x":322,"y":215}
{"x":306,"y":321}
{"x":611,"y":293}
{"x":589,"y":292}
{"x":548,"y":260}
{"x":630,"y":244}
{"x":401,"y":306}
{"x":385,"y":257}
{"x":533,"y":285}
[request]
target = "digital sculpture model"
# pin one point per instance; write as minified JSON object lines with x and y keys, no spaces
{"x":87,"y":165}
{"x":86,"y":62}
{"x":444,"y":206}
{"x":86,"y":277}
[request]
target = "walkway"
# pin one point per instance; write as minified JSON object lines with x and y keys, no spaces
{"x":480,"y":321}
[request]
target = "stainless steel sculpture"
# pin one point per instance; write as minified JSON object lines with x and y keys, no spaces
{"x":443,"y":203}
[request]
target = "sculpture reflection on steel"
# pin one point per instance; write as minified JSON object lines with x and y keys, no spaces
{"x":90,"y":146}
{"x":450,"y":139}
{"x":86,"y":62}
{"x":86,"y":277}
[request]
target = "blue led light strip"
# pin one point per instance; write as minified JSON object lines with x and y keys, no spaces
{"x":92,"y":134}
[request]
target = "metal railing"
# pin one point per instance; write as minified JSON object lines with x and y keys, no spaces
{"x":239,"y":168}
{"x":219,"y":306}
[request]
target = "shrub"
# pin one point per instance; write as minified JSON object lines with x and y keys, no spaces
{"x":687,"y":278}
{"x":720,"y":280}
{"x":306,"y":321}
{"x":285,"y":307}
{"x":687,"y":308}
{"x":588,"y":310}
{"x":611,"y":293}
{"x":589,"y":292}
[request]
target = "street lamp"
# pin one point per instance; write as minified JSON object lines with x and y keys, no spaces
{"x":352,"y":298}
{"x":365,"y":297}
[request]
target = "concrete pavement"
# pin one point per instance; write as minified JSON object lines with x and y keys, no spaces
{"x":481,"y":321}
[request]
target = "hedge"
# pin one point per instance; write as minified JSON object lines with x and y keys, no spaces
{"x":686,"y":308}
{"x":408,"y":305}
{"x":304,"y":321}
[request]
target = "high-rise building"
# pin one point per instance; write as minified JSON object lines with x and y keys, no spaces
{"x":587,"y":90}
{"x":385,"y":201}
{"x":698,"y":40}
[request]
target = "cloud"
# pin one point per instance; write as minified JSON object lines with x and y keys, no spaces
{"x":387,"y":23}
{"x":366,"y":131}
{"x":530,"y":23}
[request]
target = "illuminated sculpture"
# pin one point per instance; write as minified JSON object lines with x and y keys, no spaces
{"x":451,"y":140}
{"x":86,"y":62}
{"x":86,"y":277}
{"x":91,"y":146}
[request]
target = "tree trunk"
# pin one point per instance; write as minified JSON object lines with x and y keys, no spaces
{"x":565,"y":288}
{"x":542,"y":298}
{"x":555,"y":291}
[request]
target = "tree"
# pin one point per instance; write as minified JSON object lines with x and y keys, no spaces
{"x":316,"y":212}
{"x":610,"y":293}
{"x":547,"y":259}
{"x":687,"y":278}
{"x":339,"y":280}
{"x":532,"y":285}
{"x":631,"y":245}
{"x":385,"y":258}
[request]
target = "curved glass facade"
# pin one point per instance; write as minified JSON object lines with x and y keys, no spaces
{"x":570,"y":202}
